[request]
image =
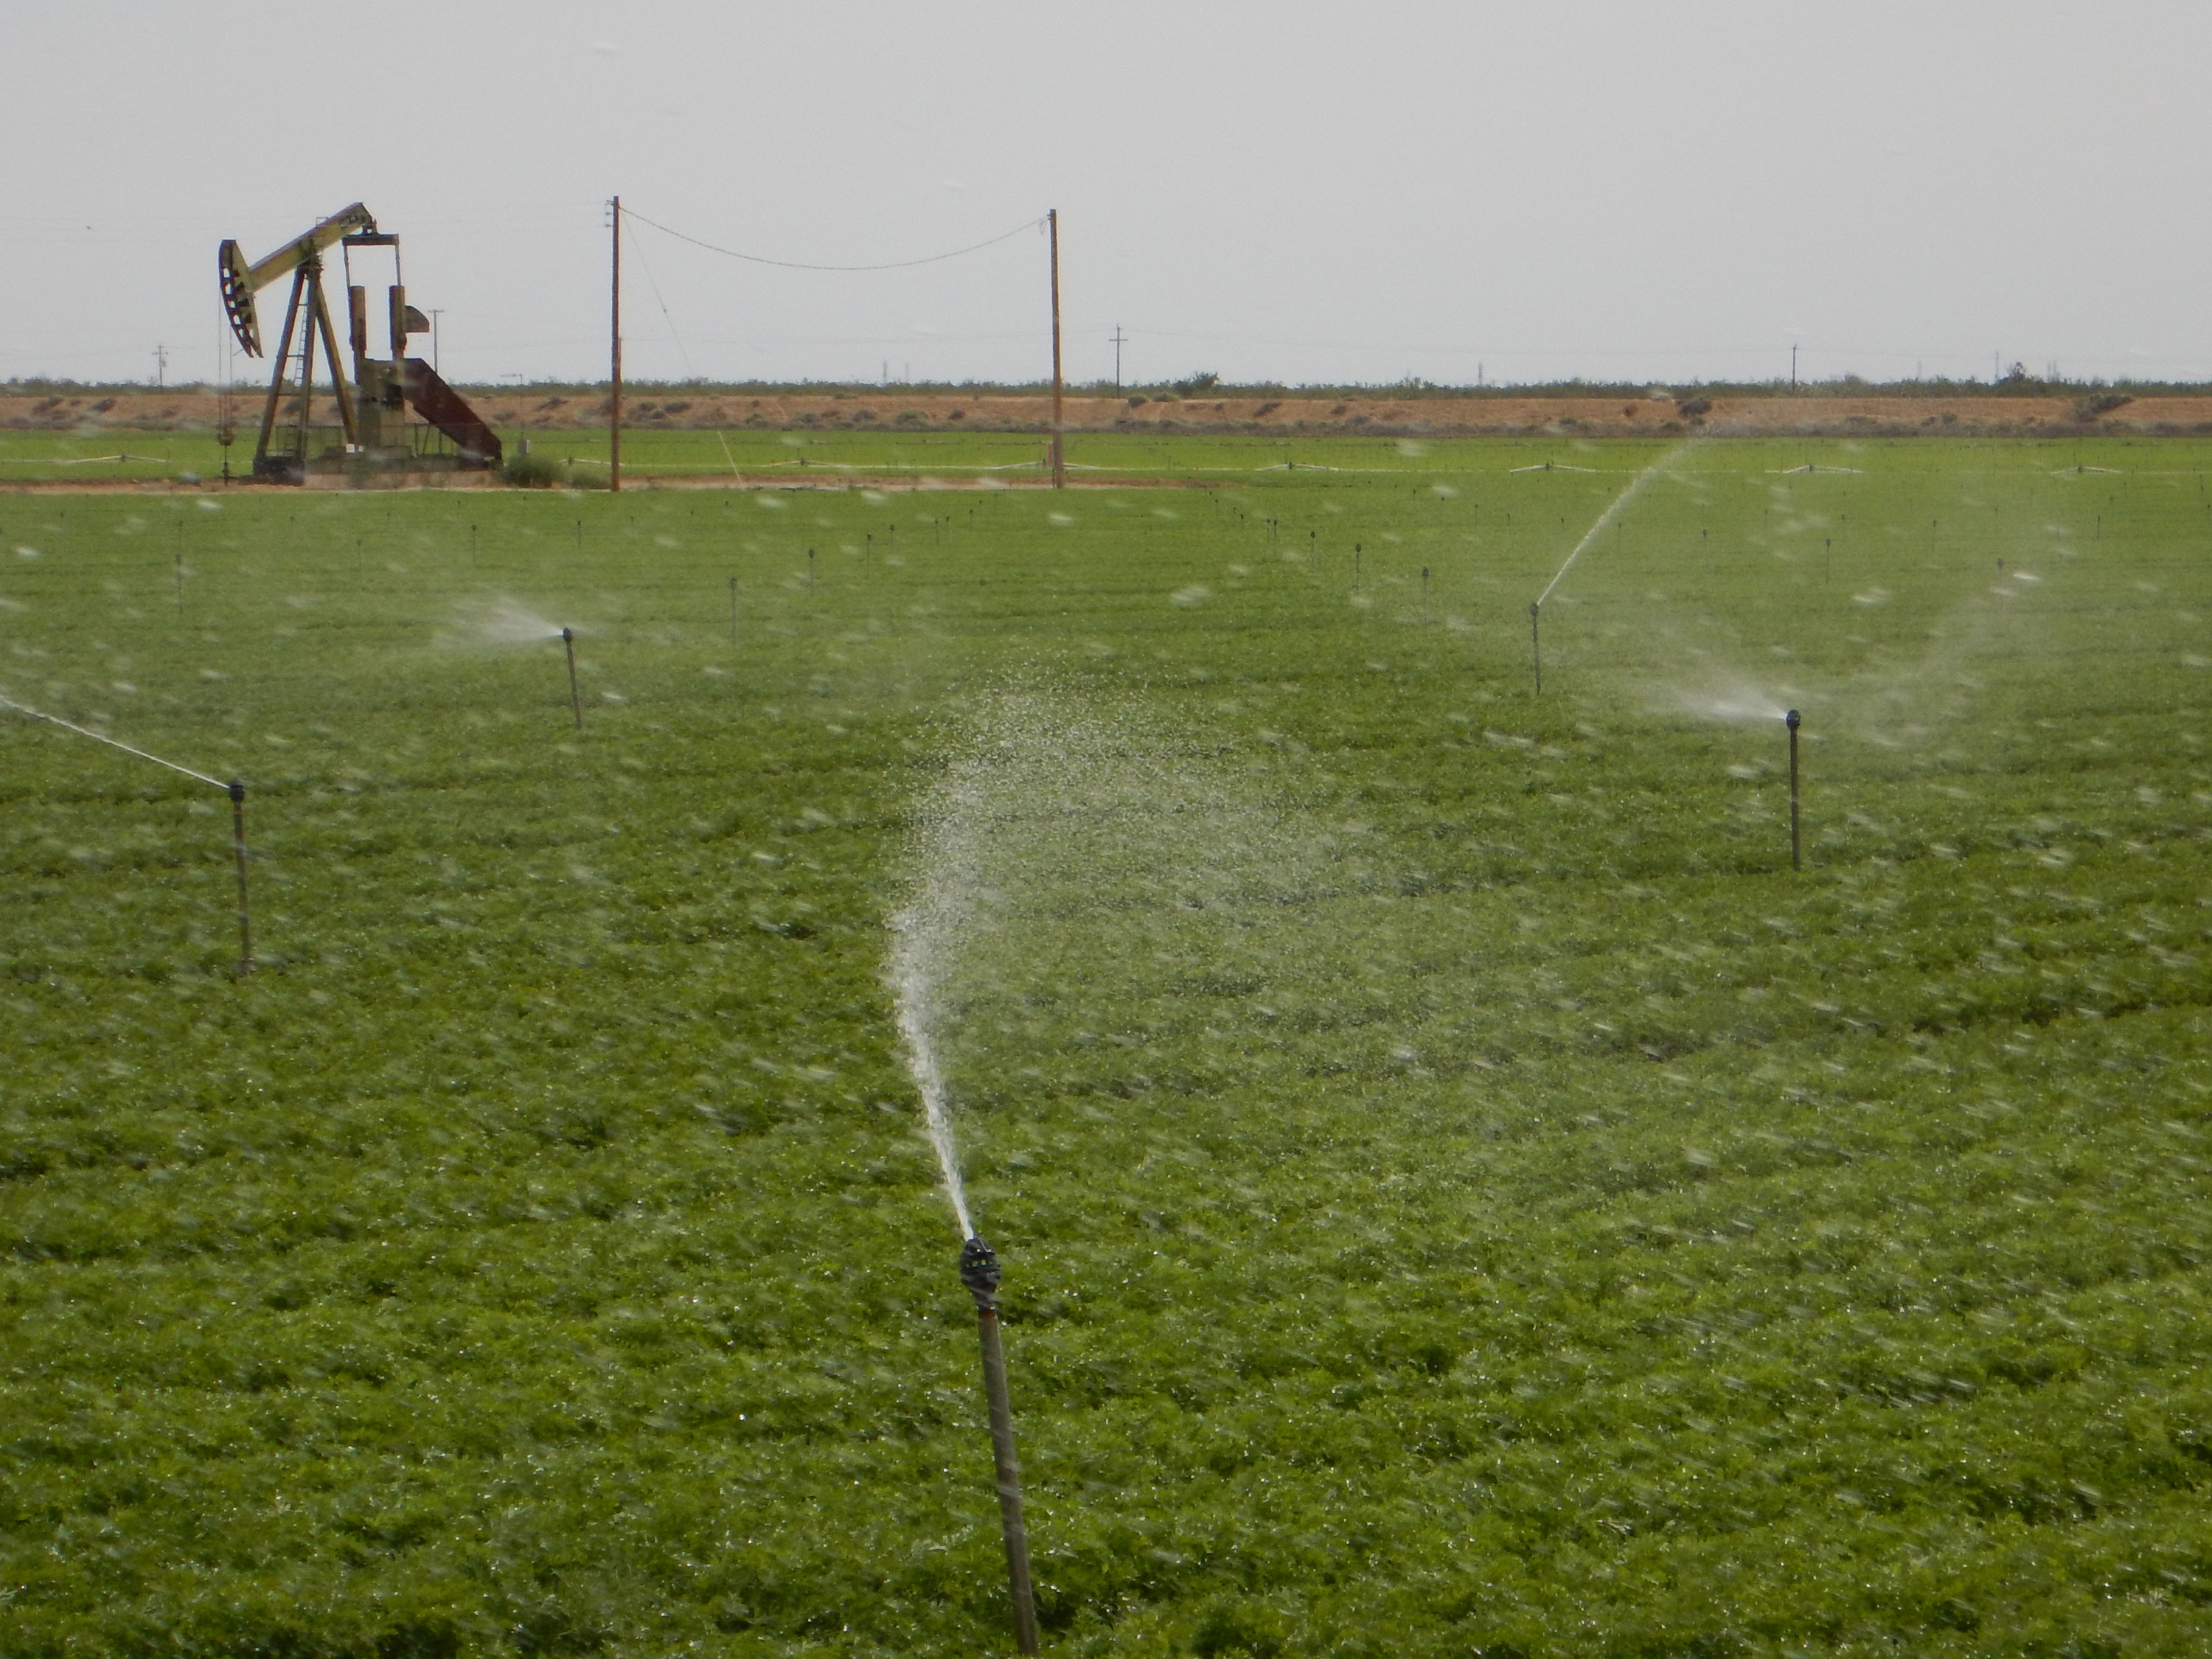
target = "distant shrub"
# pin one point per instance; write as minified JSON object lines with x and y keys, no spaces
{"x":1696,"y":407}
{"x":1139,"y":401}
{"x":533,"y":472}
{"x":2099,"y":402}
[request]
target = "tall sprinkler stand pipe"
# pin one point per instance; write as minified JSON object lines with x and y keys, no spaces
{"x":979,"y":1272}
{"x":575,"y":696}
{"x":245,"y":908}
{"x":733,"y":611}
{"x":1796,"y":853}
{"x":1536,"y":646}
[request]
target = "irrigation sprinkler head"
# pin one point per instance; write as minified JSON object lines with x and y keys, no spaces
{"x":1792,"y":720}
{"x":567,"y":636}
{"x":237,"y":788}
{"x":979,"y":1272}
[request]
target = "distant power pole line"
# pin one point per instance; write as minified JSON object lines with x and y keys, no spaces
{"x":1793,"y":368}
{"x":1058,"y":431}
{"x":160,"y":367}
{"x":614,"y":351}
{"x":1118,"y":338}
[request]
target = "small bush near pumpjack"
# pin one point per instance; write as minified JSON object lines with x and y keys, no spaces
{"x":533,"y":472}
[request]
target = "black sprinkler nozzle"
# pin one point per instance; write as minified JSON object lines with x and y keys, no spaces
{"x":1792,"y":720}
{"x":979,"y":1272}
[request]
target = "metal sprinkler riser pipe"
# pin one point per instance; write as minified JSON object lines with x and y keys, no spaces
{"x":575,"y":696}
{"x":1796,"y":854}
{"x":979,"y":1272}
{"x":236,"y":789}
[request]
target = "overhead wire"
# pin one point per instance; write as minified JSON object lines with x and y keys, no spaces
{"x":667,"y":316}
{"x":800,"y":264}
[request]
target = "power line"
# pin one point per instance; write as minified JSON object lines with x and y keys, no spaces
{"x":797,"y":264}
{"x":667,"y":316}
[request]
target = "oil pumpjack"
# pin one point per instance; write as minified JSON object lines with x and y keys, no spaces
{"x":373,"y":433}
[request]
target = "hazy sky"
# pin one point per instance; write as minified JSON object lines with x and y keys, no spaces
{"x":1279,"y":190}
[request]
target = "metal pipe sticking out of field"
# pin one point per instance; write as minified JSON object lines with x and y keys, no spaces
{"x":244,"y":906}
{"x":979,"y":1272}
{"x":1536,"y":643}
{"x":1796,"y":856}
{"x":575,"y":696}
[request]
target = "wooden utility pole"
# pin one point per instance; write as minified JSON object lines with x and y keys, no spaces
{"x":1059,"y":434}
{"x":614,"y":398}
{"x":1120,"y":340}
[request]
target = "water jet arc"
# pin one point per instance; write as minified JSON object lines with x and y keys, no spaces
{"x":979,"y":1272}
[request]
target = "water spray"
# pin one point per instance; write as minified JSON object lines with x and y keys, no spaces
{"x":1608,"y":516}
{"x":979,"y":1272}
{"x":235,"y":789}
{"x":575,"y":696}
{"x":1796,"y":856}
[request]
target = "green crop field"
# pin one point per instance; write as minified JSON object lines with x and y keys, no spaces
{"x":651,"y":454}
{"x":1460,"y":1191}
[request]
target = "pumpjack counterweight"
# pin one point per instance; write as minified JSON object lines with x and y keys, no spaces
{"x":373,"y":434}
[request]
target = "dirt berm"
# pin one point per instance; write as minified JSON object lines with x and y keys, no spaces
{"x":1377,"y":414}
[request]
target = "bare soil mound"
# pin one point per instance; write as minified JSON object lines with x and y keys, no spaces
{"x":1378,"y":414}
